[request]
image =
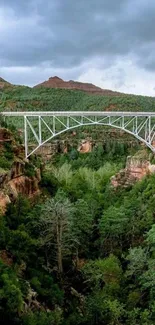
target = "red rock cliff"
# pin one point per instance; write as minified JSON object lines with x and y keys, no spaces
{"x":136,"y":168}
{"x":14,"y":181}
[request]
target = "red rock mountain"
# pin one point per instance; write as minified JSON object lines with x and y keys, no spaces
{"x":56,"y":82}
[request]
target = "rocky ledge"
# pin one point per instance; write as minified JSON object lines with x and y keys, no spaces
{"x":15,"y":182}
{"x":17,"y":177}
{"x":136,"y":168}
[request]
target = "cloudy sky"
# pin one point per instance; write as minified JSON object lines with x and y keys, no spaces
{"x":107,"y":42}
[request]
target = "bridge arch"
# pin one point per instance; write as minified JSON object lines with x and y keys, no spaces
{"x":139,"y":124}
{"x":89,"y":124}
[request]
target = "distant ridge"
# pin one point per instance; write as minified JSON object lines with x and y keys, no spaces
{"x":56,"y":82}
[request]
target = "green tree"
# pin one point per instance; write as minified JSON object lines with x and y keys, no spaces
{"x":56,"y":222}
{"x":43,"y":318}
{"x":82,"y":227}
{"x":102,"y":310}
{"x":11,"y":297}
{"x":105,"y":273}
{"x":137,"y":261}
{"x":112,"y":227}
{"x":17,"y":212}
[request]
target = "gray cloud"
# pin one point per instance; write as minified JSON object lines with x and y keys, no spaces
{"x":65,"y":33}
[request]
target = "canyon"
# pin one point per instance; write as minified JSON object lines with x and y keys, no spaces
{"x":15,"y":181}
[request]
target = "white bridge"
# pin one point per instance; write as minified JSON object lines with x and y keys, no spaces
{"x":44,"y":126}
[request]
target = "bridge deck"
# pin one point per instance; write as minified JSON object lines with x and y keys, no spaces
{"x":77,"y":113}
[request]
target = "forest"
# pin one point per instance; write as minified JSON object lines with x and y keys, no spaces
{"x":25,"y":98}
{"x":83,"y":252}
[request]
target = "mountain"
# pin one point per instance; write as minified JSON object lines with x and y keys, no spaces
{"x":56,"y":82}
{"x":4,"y":83}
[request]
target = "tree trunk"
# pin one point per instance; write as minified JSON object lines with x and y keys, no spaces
{"x":59,"y":246}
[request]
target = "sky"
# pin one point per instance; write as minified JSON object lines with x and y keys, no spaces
{"x":110,"y":43}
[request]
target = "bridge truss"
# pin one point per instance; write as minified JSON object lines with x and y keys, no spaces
{"x":44,"y":126}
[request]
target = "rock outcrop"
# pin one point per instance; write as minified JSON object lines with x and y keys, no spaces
{"x":4,"y":83}
{"x":15,"y":181}
{"x":136,"y":168}
{"x":85,"y":146}
{"x":4,"y":200}
{"x":62,"y":146}
{"x":56,"y":82}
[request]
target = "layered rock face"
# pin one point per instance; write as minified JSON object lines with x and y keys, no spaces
{"x":56,"y":82}
{"x":83,"y":146}
{"x":49,"y":149}
{"x":14,"y":181}
{"x":19,"y":183}
{"x":136,"y":168}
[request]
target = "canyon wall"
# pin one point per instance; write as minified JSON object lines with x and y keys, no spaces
{"x":14,"y":180}
{"x":136,"y":168}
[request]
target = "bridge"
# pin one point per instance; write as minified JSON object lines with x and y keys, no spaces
{"x":44,"y":126}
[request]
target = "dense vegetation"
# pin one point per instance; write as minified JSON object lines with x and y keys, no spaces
{"x":84,"y":252}
{"x":25,"y":98}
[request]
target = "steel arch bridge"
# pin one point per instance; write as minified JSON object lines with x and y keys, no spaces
{"x":44,"y":126}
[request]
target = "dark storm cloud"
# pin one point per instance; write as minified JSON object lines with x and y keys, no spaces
{"x":66,"y":33}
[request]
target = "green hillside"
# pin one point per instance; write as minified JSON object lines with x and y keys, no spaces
{"x":25,"y":98}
